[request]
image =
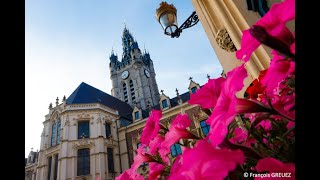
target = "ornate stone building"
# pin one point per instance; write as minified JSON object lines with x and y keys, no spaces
{"x":92,"y":133}
{"x":31,"y":165}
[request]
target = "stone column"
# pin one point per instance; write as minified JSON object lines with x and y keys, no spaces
{"x":223,"y":14}
{"x":93,"y":163}
{"x":74,"y":168}
{"x":52,"y":167}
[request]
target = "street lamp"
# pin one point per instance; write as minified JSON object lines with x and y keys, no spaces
{"x":166,"y":15}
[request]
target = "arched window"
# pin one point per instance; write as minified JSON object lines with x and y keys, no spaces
{"x":125,"y":92}
{"x":53,"y":134}
{"x":58,"y":131}
{"x":133,"y":96}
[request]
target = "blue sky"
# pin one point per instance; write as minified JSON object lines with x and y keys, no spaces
{"x":69,"y":42}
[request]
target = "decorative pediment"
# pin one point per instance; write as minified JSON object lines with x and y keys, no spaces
{"x":110,"y":142}
{"x":193,"y":86}
{"x":82,"y":143}
{"x":84,"y":116}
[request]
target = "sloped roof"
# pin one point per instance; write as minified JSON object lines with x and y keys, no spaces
{"x":85,"y":94}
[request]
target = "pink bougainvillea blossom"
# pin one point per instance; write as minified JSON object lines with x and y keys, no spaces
{"x":206,"y":162}
{"x":152,"y":127}
{"x":272,"y":165}
{"x":274,"y":21}
{"x":177,"y":131}
{"x":225,"y":109}
{"x":208,"y":94}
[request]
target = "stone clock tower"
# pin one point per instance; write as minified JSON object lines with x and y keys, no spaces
{"x":133,"y":78}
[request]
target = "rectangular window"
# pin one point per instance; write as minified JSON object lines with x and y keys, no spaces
{"x":83,"y":163}
{"x":110,"y":160}
{"x":175,"y":150}
{"x":204,"y":127}
{"x":164,"y":104}
{"x":49,"y":167}
{"x":83,"y":129}
{"x":55,"y":173}
{"x":137,"y":115}
{"x":108,"y":130}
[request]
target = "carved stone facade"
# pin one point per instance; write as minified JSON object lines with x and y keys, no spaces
{"x":67,"y":149}
{"x":224,"y":41}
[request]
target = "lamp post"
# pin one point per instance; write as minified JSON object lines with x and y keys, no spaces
{"x":166,"y":15}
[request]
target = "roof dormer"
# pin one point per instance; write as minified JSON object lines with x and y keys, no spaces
{"x":164,"y":101}
{"x":193,"y":86}
{"x":136,"y":113}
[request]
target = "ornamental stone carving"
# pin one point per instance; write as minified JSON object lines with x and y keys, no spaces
{"x":224,"y":41}
{"x":67,"y":123}
{"x":83,"y":142}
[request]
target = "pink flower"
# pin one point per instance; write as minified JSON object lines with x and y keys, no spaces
{"x":129,"y":175}
{"x":265,"y":124}
{"x":274,"y":21}
{"x":290,"y":124}
{"x":155,"y":146}
{"x":225,"y":109}
{"x":140,"y":158}
{"x":272,"y":165}
{"x":177,"y":131}
{"x":284,"y":104}
{"x":176,"y":165}
{"x":279,"y":69}
{"x":239,"y":136}
{"x":249,"y":106}
{"x":156,"y":170}
{"x":206,"y":162}
{"x":208,"y":94}
{"x":152,"y":127}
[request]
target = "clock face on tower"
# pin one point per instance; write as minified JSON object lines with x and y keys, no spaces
{"x":146,"y":72}
{"x":125,"y":75}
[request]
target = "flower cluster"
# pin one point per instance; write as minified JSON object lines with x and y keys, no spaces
{"x":254,"y":134}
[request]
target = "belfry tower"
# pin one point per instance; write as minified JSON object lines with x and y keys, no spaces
{"x":133,"y":78}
